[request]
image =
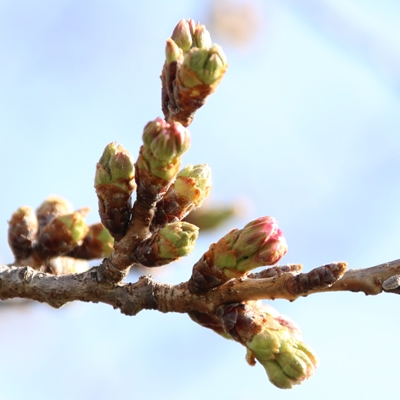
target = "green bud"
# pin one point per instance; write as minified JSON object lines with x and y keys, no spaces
{"x":259,"y":243}
{"x":61,"y":235}
{"x":277,"y":376}
{"x":114,"y":183}
{"x":172,"y":52}
{"x":194,"y":183}
{"x":278,"y":339}
{"x":296,"y":365}
{"x":163,"y":145}
{"x":116,"y":167}
{"x":202,"y":37}
{"x":208,"y":65}
{"x":177,"y":239}
{"x":166,"y":141}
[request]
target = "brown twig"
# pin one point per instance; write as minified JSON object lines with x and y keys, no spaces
{"x":131,"y":298}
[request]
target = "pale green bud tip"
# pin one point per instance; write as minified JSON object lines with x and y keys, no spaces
{"x":277,"y":376}
{"x":116,"y":165}
{"x":166,"y":141}
{"x":172,"y":52}
{"x":177,"y":239}
{"x":202,"y":37}
{"x":194,"y":183}
{"x":182,"y":34}
{"x":75,"y":224}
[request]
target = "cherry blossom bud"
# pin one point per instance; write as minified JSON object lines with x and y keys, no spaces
{"x":259,"y":243}
{"x":163,"y":145}
{"x":62,"y":234}
{"x":22,"y":230}
{"x":114,"y":184}
{"x":175,"y":240}
{"x":52,"y":207}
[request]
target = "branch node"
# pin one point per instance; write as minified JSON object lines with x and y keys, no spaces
{"x":320,"y":277}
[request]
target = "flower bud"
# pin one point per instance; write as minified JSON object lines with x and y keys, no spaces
{"x":202,"y":37}
{"x":163,"y":146}
{"x":203,"y":67}
{"x":98,"y":243}
{"x":175,"y":240}
{"x":194,"y":184}
{"x":22,"y":230}
{"x":193,"y":69}
{"x":172,"y":52}
{"x":259,"y":243}
{"x":116,"y":167}
{"x":52,"y":207}
{"x":166,"y":141}
{"x":114,"y":184}
{"x":271,"y":339}
{"x":62,"y":234}
{"x":182,"y":34}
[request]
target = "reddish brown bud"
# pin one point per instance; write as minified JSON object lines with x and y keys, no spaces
{"x":22,"y":230}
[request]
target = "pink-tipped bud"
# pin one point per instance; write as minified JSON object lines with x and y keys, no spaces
{"x":259,"y":243}
{"x":163,"y":145}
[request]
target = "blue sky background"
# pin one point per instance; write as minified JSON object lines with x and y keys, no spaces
{"x":304,"y":127}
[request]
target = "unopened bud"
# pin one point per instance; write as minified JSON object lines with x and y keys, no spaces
{"x":116,"y":167}
{"x":114,"y":184}
{"x":52,"y":207}
{"x":98,"y":243}
{"x":202,"y":37}
{"x":163,"y":145}
{"x":259,"y":243}
{"x":172,"y":52}
{"x":175,"y":240}
{"x":62,"y":234}
{"x":22,"y":230}
{"x":194,"y":183}
{"x":203,"y":67}
{"x":182,"y":34}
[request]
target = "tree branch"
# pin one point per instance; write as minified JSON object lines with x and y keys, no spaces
{"x":287,"y":283}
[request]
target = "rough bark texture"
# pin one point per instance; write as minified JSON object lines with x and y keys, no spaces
{"x":130,"y":298}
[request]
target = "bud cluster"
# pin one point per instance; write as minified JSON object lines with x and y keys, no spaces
{"x":39,"y":239}
{"x":193,"y":69}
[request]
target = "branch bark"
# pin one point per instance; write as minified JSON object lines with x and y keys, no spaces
{"x":130,"y":298}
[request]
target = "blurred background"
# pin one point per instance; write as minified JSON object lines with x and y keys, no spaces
{"x":304,"y":127}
